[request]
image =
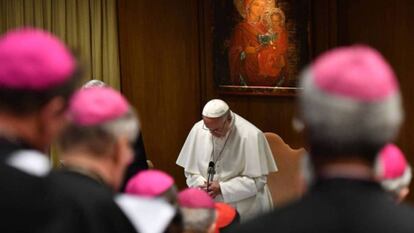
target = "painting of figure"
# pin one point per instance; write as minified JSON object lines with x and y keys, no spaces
{"x":260,"y":43}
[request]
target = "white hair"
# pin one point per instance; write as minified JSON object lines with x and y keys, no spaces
{"x":345,"y":122}
{"x":94,"y":83}
{"x":396,"y":184}
{"x":127,"y":125}
{"x":198,"y":219}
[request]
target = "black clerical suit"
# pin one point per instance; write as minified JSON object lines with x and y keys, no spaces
{"x":338,"y":205}
{"x":138,"y":163}
{"x":27,"y":202}
{"x":94,"y":209}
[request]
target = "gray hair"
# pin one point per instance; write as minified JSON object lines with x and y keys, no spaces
{"x":344,"y":125}
{"x":306,"y":169}
{"x":127,"y":125}
{"x":198,"y":220}
{"x":393,"y":185}
{"x":94,"y":83}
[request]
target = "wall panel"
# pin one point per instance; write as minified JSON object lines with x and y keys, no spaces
{"x":160,"y":69}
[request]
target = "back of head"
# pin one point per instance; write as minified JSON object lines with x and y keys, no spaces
{"x":98,"y":116}
{"x":153,"y":183}
{"x":350,"y":103}
{"x":35,"y":66}
{"x":392,"y":169}
{"x":198,"y":210}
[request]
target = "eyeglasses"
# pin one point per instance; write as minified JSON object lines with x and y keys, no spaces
{"x":218,"y":130}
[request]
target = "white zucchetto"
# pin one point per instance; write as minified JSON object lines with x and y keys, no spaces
{"x":215,"y":108}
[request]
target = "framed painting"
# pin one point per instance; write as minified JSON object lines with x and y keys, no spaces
{"x":260,"y":46}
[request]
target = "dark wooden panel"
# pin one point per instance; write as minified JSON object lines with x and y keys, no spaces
{"x":270,"y":114}
{"x":160,"y":69}
{"x":324,"y":26}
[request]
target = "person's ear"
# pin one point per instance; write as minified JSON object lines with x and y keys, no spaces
{"x":402,"y":194}
{"x":122,"y":151}
{"x":212,"y":228}
{"x":53,"y":110}
{"x":117,"y":151}
{"x":121,"y":158}
{"x":51,"y":120}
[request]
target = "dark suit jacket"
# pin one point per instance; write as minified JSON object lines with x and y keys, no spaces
{"x":338,"y":205}
{"x":92,"y":208}
{"x":27,"y":201}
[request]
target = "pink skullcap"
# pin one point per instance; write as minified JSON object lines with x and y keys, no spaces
{"x":358,"y":72}
{"x":92,"y":106}
{"x":392,"y":162}
{"x":32,"y":59}
{"x":195,"y":198}
{"x":150,"y":183}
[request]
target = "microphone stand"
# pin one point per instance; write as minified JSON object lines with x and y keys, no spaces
{"x":211,"y":171}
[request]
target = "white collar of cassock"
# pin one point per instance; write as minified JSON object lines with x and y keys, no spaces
{"x":30,"y":161}
{"x":145,"y":214}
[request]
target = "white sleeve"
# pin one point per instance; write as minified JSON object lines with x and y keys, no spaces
{"x":194,"y":180}
{"x":241,"y":187}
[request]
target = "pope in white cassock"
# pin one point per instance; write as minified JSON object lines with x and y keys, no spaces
{"x":234,"y":154}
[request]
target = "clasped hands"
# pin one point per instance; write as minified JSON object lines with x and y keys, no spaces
{"x":213,"y":188}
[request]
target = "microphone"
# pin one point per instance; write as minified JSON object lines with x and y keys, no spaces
{"x":211,"y":171}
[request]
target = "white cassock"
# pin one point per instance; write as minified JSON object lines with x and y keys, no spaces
{"x":242,"y":160}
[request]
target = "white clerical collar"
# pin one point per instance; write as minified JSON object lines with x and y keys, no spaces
{"x":146,"y":215}
{"x":30,"y":161}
